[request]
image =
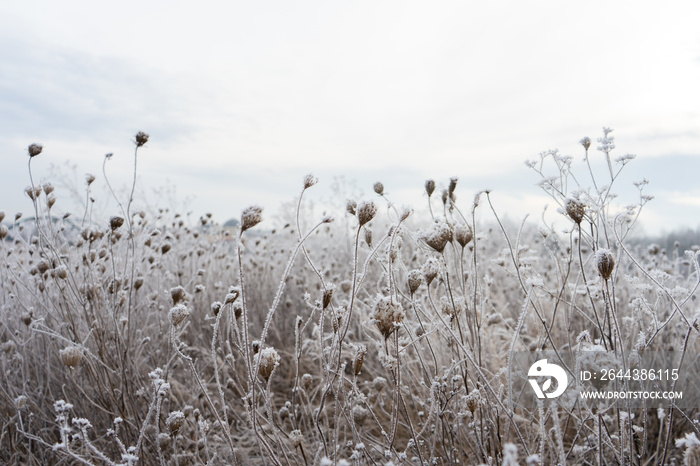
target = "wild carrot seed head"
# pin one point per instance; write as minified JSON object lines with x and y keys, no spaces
{"x":34,"y":149}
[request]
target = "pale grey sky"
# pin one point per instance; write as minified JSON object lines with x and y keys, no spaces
{"x":242,"y":99}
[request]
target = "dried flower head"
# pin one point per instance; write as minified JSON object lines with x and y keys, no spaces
{"x":177,"y":294}
{"x":431,"y":269}
{"x":138,"y":283}
{"x":605,"y":262}
{"x":251,"y":217}
{"x":89,"y":178}
{"x":438,"y":235}
{"x":268,"y":361}
{"x":585,"y":142}
{"x":463,"y":234}
{"x":328,"y":295}
{"x":379,"y":188}
{"x":386,"y":315}
{"x":366,"y":212}
{"x":48,"y":188}
{"x":430,"y":187}
{"x":175,"y":421}
{"x":178,"y":314}
{"x":71,"y":355}
{"x":141,"y":138}
{"x":575,"y":209}
{"x":351,"y":207}
{"x":453,"y":185}
{"x":115,"y":222}
{"x":368,"y":237}
{"x":34,"y":149}
{"x":309,"y":180}
{"x":50,"y":200}
{"x":359,"y":359}
{"x":4,"y":231}
{"x":415,"y":278}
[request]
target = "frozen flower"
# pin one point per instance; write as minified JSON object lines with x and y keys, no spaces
{"x":251,"y":217}
{"x":268,"y":360}
{"x":386,"y":315}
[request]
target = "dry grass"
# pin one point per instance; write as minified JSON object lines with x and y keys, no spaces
{"x":382,"y":339}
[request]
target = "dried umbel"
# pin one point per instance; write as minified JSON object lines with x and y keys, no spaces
{"x":71,"y":356}
{"x":4,"y":231}
{"x":575,"y":209}
{"x":115,"y":222}
{"x":431,"y":269}
{"x":251,"y":217}
{"x":438,"y":236}
{"x":33,"y":193}
{"x":605,"y":262}
{"x":368,"y":237}
{"x":386,"y":315}
{"x":177,"y":294}
{"x":366,"y":212}
{"x":415,"y":278}
{"x":351,"y":207}
{"x":175,"y":421}
{"x":89,"y":178}
{"x":138,"y":283}
{"x":430,"y":187}
{"x":379,"y":188}
{"x":359,"y":359}
{"x":34,"y":149}
{"x":586,"y":142}
{"x":453,"y":185}
{"x":309,"y":180}
{"x":178,"y":314}
{"x":141,"y":138}
{"x":463,"y":234}
{"x":296,"y":438}
{"x":268,"y":360}
{"x":50,"y":200}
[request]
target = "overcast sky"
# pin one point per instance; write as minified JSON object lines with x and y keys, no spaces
{"x":242,"y":99}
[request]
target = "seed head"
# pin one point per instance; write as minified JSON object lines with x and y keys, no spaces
{"x":438,"y":236}
{"x":327,"y":296}
{"x":586,"y":142}
{"x":351,"y":207}
{"x":463,"y":234}
{"x":89,"y":178}
{"x":386,"y":315}
{"x":2,"y":216}
{"x":48,"y":188}
{"x":309,"y":180}
{"x":50,"y":200}
{"x":115,"y":222}
{"x":431,"y":269}
{"x":379,"y":188}
{"x":453,"y":185}
{"x":415,"y":278}
{"x":575,"y":209}
{"x":71,"y":355}
{"x":251,"y":217}
{"x":34,"y":149}
{"x":141,"y":138}
{"x":177,"y":294}
{"x":368,"y":237}
{"x":4,"y":231}
{"x":605,"y":263}
{"x":430,"y":187}
{"x":178,"y":314}
{"x":61,"y":272}
{"x":269,"y":360}
{"x":138,"y":282}
{"x":175,"y":421}
{"x":366,"y":212}
{"x":358,"y":359}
